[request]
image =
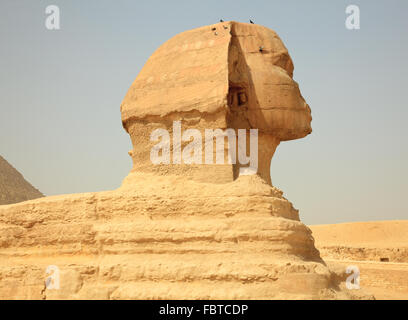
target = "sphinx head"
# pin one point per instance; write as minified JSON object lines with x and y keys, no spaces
{"x":238,"y":76}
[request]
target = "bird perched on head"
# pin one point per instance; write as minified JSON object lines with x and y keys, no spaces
{"x":250,"y":21}
{"x":261,"y":48}
{"x":221,"y":20}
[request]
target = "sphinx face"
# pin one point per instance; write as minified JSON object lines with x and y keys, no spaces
{"x":275,"y":104}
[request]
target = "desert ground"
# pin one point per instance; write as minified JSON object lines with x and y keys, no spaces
{"x":379,"y":249}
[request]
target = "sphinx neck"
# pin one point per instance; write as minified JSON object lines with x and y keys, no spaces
{"x":187,"y":150}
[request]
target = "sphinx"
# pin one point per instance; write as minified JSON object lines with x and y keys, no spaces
{"x":183,"y":230}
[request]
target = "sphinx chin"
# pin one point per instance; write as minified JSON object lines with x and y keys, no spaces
{"x":183,"y":230}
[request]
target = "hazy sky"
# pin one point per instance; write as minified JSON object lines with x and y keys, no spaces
{"x":60,"y":93}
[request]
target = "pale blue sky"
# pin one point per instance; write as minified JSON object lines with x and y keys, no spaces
{"x":60,"y":93}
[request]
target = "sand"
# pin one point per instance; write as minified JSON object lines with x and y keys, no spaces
{"x":378,"y":248}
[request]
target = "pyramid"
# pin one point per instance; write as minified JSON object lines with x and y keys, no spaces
{"x":13,"y":187}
